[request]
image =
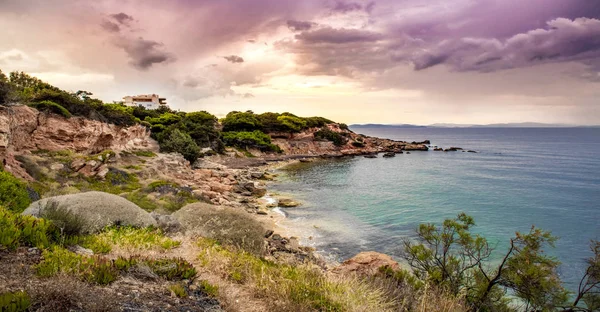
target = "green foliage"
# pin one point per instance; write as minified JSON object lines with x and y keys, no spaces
{"x":209,"y":289}
{"x":292,"y":123}
{"x":451,"y":257}
{"x":178,"y":290}
{"x":118,"y":114}
{"x":182,"y":143}
{"x":115,"y":182}
{"x":49,"y":106}
{"x":68,"y":222}
{"x":256,"y":139}
{"x":329,"y":135}
{"x":131,"y":238}
{"x":589,"y":287}
{"x":317,"y":122}
{"x":18,"y":230}
{"x":102,"y":271}
{"x":14,"y":301}
{"x":241,"y":121}
{"x":202,"y":127}
{"x":13,"y":192}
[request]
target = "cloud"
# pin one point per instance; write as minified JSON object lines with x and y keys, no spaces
{"x":299,"y":25}
{"x":338,"y":36}
{"x":144,"y":53}
{"x":110,"y":26}
{"x":561,"y":40}
{"x":344,"y":7}
{"x":234,"y":59}
{"x":122,"y":18}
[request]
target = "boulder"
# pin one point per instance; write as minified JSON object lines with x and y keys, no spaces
{"x":366,"y":263}
{"x":227,"y":225}
{"x":287,"y":203}
{"x":255,"y":190}
{"x":96,"y":210}
{"x":371,"y":156}
{"x":389,"y":154}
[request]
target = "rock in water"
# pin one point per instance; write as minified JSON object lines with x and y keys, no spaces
{"x":287,"y":203}
{"x":96,"y":210}
{"x":367,"y":263}
{"x":389,"y":154}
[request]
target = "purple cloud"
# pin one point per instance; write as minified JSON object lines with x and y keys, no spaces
{"x":144,"y":53}
{"x":299,"y":25}
{"x":560,"y":41}
{"x":338,"y":36}
{"x":122,"y":18}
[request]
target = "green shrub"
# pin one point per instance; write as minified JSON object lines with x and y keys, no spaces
{"x":118,"y":114}
{"x":182,"y":143}
{"x":256,"y":139}
{"x":172,"y":268}
{"x":241,"y":121}
{"x":68,"y":222}
{"x":17,"y":230}
{"x":178,"y":290}
{"x":292,"y":123}
{"x":14,"y":301}
{"x":209,"y":289}
{"x":13,"y":193}
{"x":49,"y":106}
{"x":328,"y":135}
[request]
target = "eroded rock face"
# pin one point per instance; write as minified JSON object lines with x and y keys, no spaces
{"x":366,"y":263}
{"x":24,"y":129}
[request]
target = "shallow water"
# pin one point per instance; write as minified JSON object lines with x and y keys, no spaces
{"x":549,"y":178}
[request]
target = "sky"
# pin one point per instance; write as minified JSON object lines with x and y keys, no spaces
{"x":352,"y":61}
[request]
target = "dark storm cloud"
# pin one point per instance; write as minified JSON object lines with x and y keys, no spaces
{"x":144,"y":53}
{"x":234,"y":59}
{"x":561,"y":40}
{"x":299,"y":25}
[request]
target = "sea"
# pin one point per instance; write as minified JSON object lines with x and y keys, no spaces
{"x":520,"y":177}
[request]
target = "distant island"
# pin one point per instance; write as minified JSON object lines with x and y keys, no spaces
{"x":496,"y":125}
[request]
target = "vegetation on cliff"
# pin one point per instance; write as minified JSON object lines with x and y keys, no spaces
{"x":192,"y":134}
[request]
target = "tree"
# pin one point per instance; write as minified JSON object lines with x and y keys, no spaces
{"x":589,"y":286}
{"x":241,"y":121}
{"x":180,"y":142}
{"x":292,"y":124}
{"x":458,"y":261}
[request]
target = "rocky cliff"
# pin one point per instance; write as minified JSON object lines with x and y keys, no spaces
{"x":24,"y":129}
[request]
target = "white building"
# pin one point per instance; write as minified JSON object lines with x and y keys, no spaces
{"x":148,"y":101}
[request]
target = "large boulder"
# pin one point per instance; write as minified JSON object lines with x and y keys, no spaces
{"x":96,"y":210}
{"x":226,"y":225}
{"x":366,"y":263}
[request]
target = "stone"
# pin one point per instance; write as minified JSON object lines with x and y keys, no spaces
{"x":287,"y":203}
{"x":97,"y":210}
{"x":167,"y":223}
{"x":371,"y":156}
{"x":80,"y":250}
{"x":57,"y":167}
{"x":389,"y":154}
{"x":366,"y":263}
{"x":255,"y":190}
{"x":77,"y":164}
{"x":268,"y":233}
{"x":102,"y":171}
{"x":256,"y":175}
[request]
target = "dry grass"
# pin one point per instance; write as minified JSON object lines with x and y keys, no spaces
{"x":292,"y":288}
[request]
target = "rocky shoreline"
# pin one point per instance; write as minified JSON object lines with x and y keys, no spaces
{"x":232,"y":179}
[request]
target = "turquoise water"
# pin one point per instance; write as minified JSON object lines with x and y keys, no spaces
{"x":549,"y":178}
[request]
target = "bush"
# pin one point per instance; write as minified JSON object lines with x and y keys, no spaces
{"x":49,"y":106}
{"x":292,"y":123}
{"x":178,"y":290}
{"x":13,"y":193}
{"x":68,"y":222}
{"x":130,"y":238}
{"x":256,"y":139}
{"x":241,"y":121}
{"x":182,"y":143}
{"x":14,"y":301}
{"x":328,"y":135}
{"x":17,"y":230}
